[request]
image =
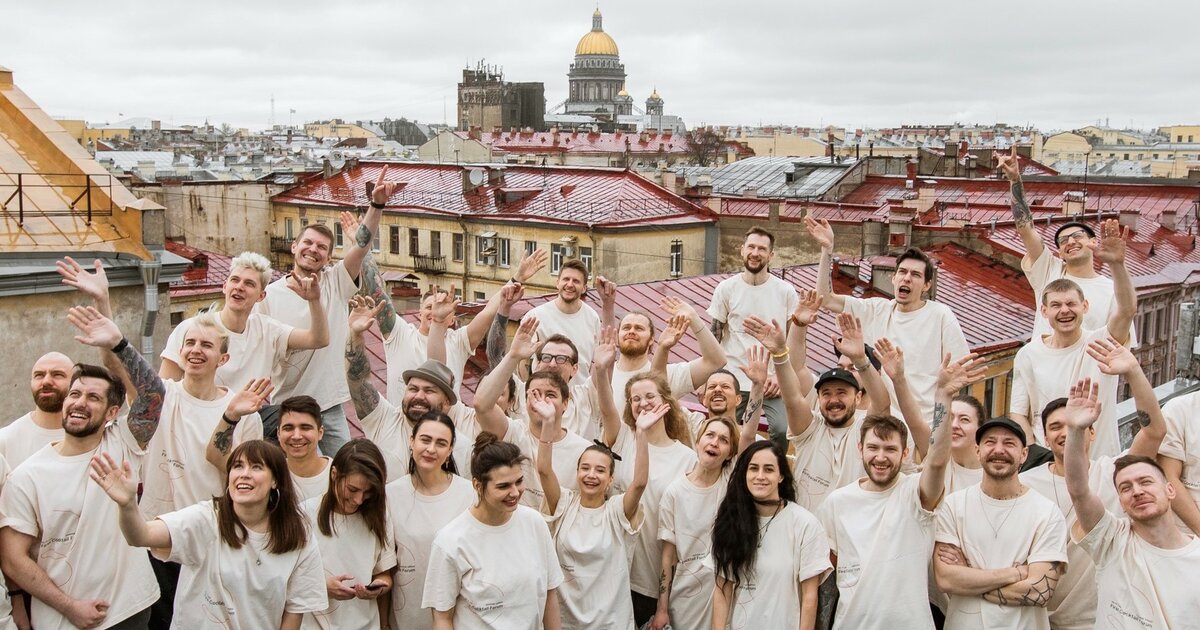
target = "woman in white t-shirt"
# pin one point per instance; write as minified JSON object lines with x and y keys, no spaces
{"x":355,"y":538}
{"x":494,"y":566}
{"x":768,"y":553}
{"x":593,"y":534}
{"x":420,"y":504}
{"x":248,"y":559}
{"x":685,"y":519}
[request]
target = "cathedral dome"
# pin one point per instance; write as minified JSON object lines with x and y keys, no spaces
{"x":597,"y":42}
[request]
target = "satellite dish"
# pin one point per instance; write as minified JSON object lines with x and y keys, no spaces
{"x":692,"y":180}
{"x":476,"y":177}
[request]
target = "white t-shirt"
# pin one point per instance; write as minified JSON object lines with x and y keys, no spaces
{"x":996,"y":535}
{"x":51,"y":498}
{"x":1182,"y":442}
{"x":883,"y":541}
{"x":734,"y":300}
{"x":318,"y":373}
{"x":1139,"y":585}
{"x":565,"y":461}
{"x":242,"y":589}
{"x":390,"y":430}
{"x":685,"y":519}
{"x":1041,"y":374}
{"x":593,"y":546}
{"x":177,"y":474}
{"x":23,"y":438}
{"x":493,"y":576}
{"x":1099,"y":293}
{"x":315,"y":486}
{"x":959,"y":477}
{"x":667,"y":463}
{"x":351,"y":550}
{"x":582,"y":416}
{"x":581,"y":327}
{"x":1073,"y":606}
{"x":926,"y":335}
{"x":406,"y":349}
{"x":416,"y":520}
{"x":253,"y":353}
{"x":792,"y":548}
{"x":825,"y":458}
{"x":6,"y":622}
{"x":679,"y":378}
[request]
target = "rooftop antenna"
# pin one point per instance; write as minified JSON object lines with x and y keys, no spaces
{"x":272,"y":123}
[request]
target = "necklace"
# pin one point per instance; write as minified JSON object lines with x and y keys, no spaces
{"x":1054,"y":485}
{"x":995,"y":528}
{"x":762,"y":531}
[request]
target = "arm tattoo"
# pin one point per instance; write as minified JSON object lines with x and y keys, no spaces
{"x":496,"y":338}
{"x":667,"y":579}
{"x":939,"y":414}
{"x":1143,"y":418}
{"x":223,"y":440}
{"x":1020,"y":209}
{"x":718,"y":329}
{"x":145,"y":410}
{"x":753,"y":407}
{"x":373,"y":286}
{"x":358,"y":376}
{"x":1041,"y":591}
{"x":362,"y":237}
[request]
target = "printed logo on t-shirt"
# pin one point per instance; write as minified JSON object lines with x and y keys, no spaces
{"x":1118,"y":616}
{"x":487,"y":600}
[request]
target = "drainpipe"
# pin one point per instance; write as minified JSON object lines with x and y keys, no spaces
{"x":150,"y":270}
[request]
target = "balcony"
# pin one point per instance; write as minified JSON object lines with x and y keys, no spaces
{"x":281,"y":244}
{"x":429,"y":264}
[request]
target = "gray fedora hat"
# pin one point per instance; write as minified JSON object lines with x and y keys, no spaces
{"x":437,"y":373}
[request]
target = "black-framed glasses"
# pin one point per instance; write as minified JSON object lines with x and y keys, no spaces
{"x":557,"y":359}
{"x":1077,"y":235}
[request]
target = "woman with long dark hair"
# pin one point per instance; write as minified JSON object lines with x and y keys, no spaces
{"x":353,"y":533}
{"x":768,"y":553}
{"x":421,"y":503}
{"x":248,"y":559}
{"x":494,"y":565}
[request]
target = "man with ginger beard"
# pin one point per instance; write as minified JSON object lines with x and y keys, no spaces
{"x":26,"y":435}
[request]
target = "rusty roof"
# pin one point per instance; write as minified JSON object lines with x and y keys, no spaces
{"x":206,"y":271}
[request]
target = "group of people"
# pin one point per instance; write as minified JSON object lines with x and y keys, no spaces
{"x":575,"y":489}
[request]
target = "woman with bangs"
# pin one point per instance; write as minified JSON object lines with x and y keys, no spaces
{"x":421,"y":503}
{"x":592,"y":532}
{"x":355,"y":539}
{"x":248,"y":559}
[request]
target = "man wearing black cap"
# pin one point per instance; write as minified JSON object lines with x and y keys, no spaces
{"x":1074,"y":261}
{"x":1000,"y":547}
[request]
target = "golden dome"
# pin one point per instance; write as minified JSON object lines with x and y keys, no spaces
{"x":597,"y":42}
{"x":622,"y":92}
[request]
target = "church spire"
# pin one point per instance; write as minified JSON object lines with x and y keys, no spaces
{"x":596,"y":21}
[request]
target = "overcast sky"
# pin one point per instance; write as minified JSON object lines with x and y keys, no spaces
{"x":1056,"y":65}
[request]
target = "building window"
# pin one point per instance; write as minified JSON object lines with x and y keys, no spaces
{"x":480,"y":297}
{"x":375,"y":244}
{"x":394,"y":239}
{"x":585,"y":256}
{"x":435,"y":244}
{"x":556,"y":258}
{"x":414,"y":241}
{"x":338,"y":237}
{"x":289,"y":229}
{"x":457,"y":294}
{"x":480,"y":248}
{"x":503,"y":247}
{"x":676,"y":258}
{"x":456,"y":247}
{"x":530,"y":247}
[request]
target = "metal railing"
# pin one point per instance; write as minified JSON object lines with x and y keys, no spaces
{"x":281,"y":244}
{"x":78,"y":187}
{"x":429,"y":264}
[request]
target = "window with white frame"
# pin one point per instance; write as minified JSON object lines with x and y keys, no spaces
{"x":556,"y":258}
{"x":676,"y":258}
{"x":502,"y":247}
{"x":585,"y":256}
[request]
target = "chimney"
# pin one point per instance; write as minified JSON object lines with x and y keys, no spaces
{"x":1128,"y":218}
{"x":773,"y":210}
{"x":910,"y":177}
{"x":1168,"y":219}
{"x":326,"y":168}
{"x":750,"y":192}
{"x":156,"y":125}
{"x":1073,"y":202}
{"x":474,"y":133}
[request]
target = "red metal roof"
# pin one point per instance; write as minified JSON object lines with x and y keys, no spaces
{"x":792,"y":210}
{"x":582,"y":142}
{"x":206,"y":273}
{"x":584,"y":196}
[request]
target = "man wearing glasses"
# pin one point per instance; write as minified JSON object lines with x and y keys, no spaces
{"x":1075,"y":241}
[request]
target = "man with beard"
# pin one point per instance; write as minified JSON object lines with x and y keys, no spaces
{"x":1143,"y":560}
{"x":29,"y":433}
{"x":567,"y":315}
{"x":927,"y":329}
{"x":1074,"y":260}
{"x":635,"y":336}
{"x":1000,"y":548}
{"x":1049,"y":365}
{"x":318,"y":372}
{"x":753,"y":293}
{"x":1074,"y":603}
{"x":880,"y":529}
{"x":84,"y":574}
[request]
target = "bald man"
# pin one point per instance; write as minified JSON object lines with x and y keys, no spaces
{"x":48,"y":382}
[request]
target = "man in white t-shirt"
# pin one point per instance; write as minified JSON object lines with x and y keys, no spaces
{"x":1000,"y":548}
{"x":880,"y":529}
{"x":754,"y":293}
{"x":526,"y":434}
{"x":1143,"y":560}
{"x":257,"y":344}
{"x":1049,"y":365}
{"x":568,"y":315}
{"x":1179,"y":456}
{"x":318,"y":372}
{"x":28,"y":434}
{"x":84,"y":574}
{"x":1074,"y":604}
{"x":1073,"y":261}
{"x":635,"y":338}
{"x":927,"y":329}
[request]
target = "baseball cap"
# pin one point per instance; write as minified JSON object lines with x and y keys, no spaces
{"x":838,"y":374}
{"x":1002,"y":422}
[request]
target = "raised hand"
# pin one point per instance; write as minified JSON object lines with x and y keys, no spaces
{"x":93,"y":285}
{"x":891,"y":358}
{"x":1113,"y":357}
{"x":674,"y":306}
{"x":1110,"y":247}
{"x":676,"y":327}
{"x":955,"y":375}
{"x":307,"y":288}
{"x":522,"y":344}
{"x":116,"y":481}
{"x":383,"y":190}
{"x":768,"y":334}
{"x":510,"y":294}
{"x":647,"y":419}
{"x":608,"y":290}
{"x":604,"y":355}
{"x":95,"y":329}
{"x":851,"y":342}
{"x":363,"y":311}
{"x":444,"y":305}
{"x":541,"y":407}
{"x":251,"y":399}
{"x":820,"y":231}
{"x":755,"y":368}
{"x":349,"y":222}
{"x":1083,"y":405}
{"x":531,"y":264}
{"x":806,"y":311}
{"x":1009,"y":164}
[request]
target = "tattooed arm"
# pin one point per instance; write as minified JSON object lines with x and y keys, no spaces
{"x":246,"y":402}
{"x":363,"y":313}
{"x":371,"y":281}
{"x":662,"y":615}
{"x":1011,"y":167}
{"x":1035,"y":590}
